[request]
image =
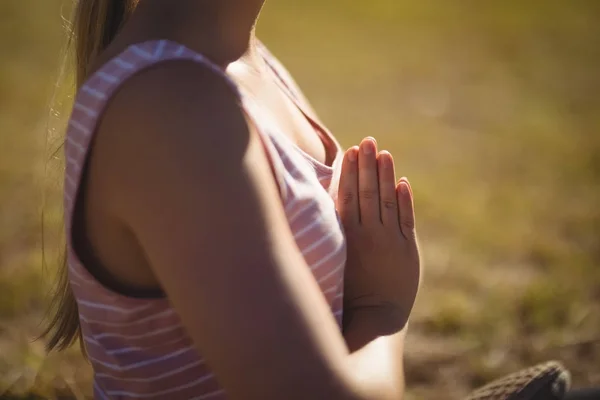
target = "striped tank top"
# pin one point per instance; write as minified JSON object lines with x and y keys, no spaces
{"x":138,"y":347}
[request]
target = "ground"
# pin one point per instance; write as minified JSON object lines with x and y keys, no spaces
{"x":490,"y":108}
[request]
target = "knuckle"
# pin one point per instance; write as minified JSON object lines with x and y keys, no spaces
{"x":389,"y":204}
{"x":348,"y":198}
{"x":408,"y":226}
{"x":408,"y":223}
{"x":368,"y":194}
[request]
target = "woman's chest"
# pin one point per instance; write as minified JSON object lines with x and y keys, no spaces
{"x":314,"y":223}
{"x":284,"y":112}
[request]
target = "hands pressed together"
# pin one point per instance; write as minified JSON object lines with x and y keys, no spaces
{"x":383,"y":267}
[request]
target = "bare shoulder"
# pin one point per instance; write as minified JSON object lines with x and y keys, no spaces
{"x":162,"y":123}
{"x":178,"y":103}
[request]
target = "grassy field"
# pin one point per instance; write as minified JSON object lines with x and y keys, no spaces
{"x":490,"y":108}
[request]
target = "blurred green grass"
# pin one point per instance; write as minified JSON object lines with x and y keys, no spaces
{"x":490,"y":108}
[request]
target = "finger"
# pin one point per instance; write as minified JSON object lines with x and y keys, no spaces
{"x":406,"y":209}
{"x":368,"y":185}
{"x":387,"y":190}
{"x":348,"y":188}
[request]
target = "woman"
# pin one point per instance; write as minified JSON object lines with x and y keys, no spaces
{"x":205,"y":254}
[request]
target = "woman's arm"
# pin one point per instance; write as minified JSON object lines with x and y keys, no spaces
{"x":383,"y":268}
{"x":190,"y":180}
{"x":377,"y":350}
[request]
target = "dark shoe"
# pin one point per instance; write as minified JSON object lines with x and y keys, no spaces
{"x":548,"y":381}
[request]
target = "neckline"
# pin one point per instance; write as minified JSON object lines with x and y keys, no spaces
{"x":326,"y":137}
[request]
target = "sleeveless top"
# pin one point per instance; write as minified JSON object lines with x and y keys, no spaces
{"x":138,"y":347}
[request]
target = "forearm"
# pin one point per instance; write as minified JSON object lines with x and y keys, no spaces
{"x":376,"y":344}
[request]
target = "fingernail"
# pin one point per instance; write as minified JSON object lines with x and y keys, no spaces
{"x":384,"y":158}
{"x":352,"y":155}
{"x":404,"y":188}
{"x":368,"y":147}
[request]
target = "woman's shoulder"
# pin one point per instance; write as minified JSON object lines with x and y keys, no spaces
{"x":179,"y":94}
{"x":155,"y":93}
{"x":173,"y":116}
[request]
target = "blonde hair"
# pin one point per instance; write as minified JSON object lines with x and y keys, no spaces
{"x":95,"y":24}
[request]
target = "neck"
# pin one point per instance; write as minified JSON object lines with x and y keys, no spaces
{"x":223,"y":32}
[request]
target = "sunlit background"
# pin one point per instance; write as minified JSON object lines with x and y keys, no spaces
{"x":491,"y":108}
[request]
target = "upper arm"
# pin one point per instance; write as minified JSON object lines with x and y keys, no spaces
{"x":191,"y":180}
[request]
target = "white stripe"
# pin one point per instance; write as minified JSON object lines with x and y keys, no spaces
{"x":130,"y":349}
{"x":89,"y":340}
{"x":142,"y":53}
{"x":124,"y":350}
{"x":88,"y":111}
{"x":338,"y":313}
{"x":93,"y":92}
{"x":163,"y":392}
{"x":100,"y":392}
{"x":79,"y":276}
{"x":123,"y":64}
{"x":75,"y":283}
{"x":290,"y":206}
{"x":142,"y":336}
{"x":130,"y":323}
{"x":153,"y":378}
{"x":199,"y":58}
{"x":144,"y":363}
{"x":108,"y":77}
{"x":331,"y":289}
{"x":75,"y":144}
{"x":180,"y":51}
{"x":160,"y":49}
{"x":101,"y":306}
{"x":307,"y":228}
{"x":328,"y":257}
{"x":319,"y":242}
{"x":210,"y":395}
{"x":79,"y":126}
{"x":307,"y":206}
{"x":76,"y":273}
{"x":332,"y":272}
{"x":72,"y":161}
{"x":127,"y":350}
{"x":70,"y":180}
